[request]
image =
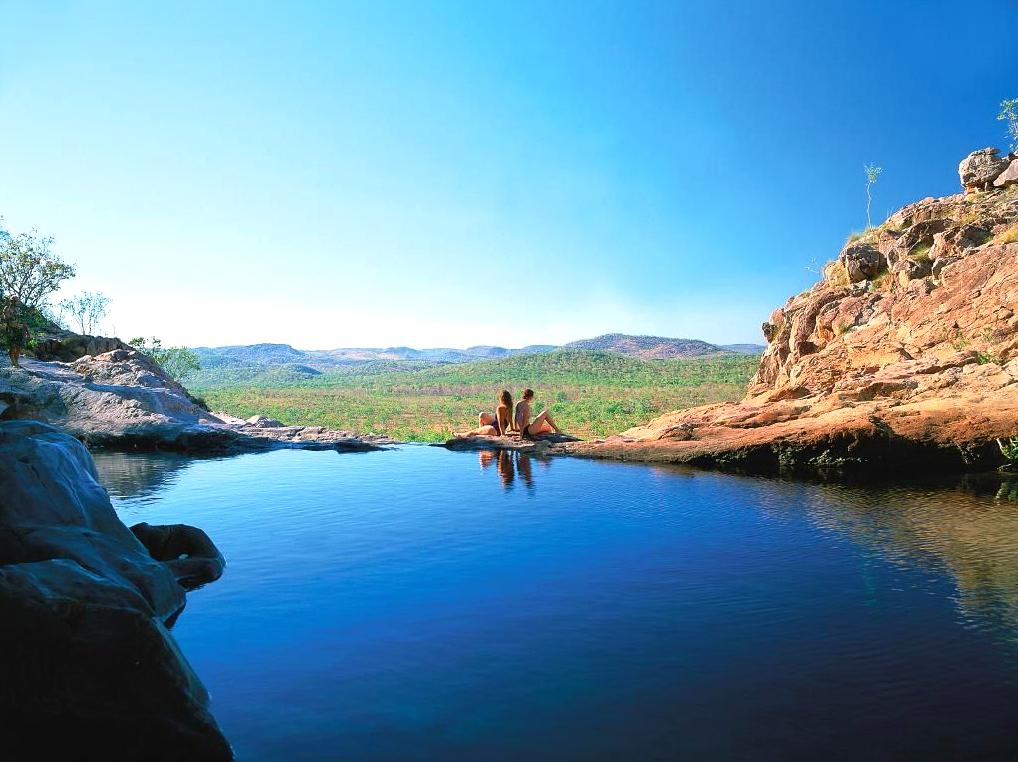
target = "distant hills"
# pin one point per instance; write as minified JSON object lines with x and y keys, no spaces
{"x":314,"y":361}
{"x":657,"y":347}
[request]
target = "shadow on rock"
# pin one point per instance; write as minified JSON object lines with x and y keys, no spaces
{"x":88,"y":668}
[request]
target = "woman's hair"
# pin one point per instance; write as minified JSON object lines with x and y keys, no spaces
{"x":528,"y":393}
{"x":505,"y":398}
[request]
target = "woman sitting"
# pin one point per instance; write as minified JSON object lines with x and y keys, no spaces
{"x":542,"y":424}
{"x":493,"y":425}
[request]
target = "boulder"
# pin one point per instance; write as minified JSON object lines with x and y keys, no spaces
{"x":979,"y":169}
{"x":1008,"y":177}
{"x":54,"y":507}
{"x":862,"y":261}
{"x":188,"y":552}
{"x":88,"y":667}
{"x":263,"y":422}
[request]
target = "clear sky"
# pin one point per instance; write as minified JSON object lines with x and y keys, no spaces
{"x":446,"y":174}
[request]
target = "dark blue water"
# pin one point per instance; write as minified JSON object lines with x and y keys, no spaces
{"x":427,"y":605}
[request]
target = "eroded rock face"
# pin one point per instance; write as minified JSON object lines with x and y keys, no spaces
{"x":122,"y":399}
{"x":87,"y":665}
{"x":915,"y":367}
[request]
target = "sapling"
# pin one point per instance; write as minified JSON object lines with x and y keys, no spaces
{"x":87,"y":309}
{"x":872,"y":173}
{"x":1009,"y":113}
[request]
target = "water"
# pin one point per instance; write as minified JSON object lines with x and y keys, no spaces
{"x":426,"y":605}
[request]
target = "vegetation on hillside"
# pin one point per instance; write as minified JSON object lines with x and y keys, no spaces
{"x":589,"y":393}
{"x":180,"y":363}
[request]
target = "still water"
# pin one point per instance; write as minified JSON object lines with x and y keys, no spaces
{"x":420,"y":604}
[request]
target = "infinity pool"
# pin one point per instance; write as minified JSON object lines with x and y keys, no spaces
{"x":420,"y":604}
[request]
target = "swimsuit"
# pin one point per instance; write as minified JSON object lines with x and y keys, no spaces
{"x":498,"y":429}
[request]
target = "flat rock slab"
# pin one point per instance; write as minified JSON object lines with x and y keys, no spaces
{"x":122,"y":400}
{"x":477,"y":442}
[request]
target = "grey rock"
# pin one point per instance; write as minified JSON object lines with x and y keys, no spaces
{"x":263,"y":422}
{"x":54,"y":507}
{"x":59,"y":344}
{"x":862,"y":261}
{"x":88,"y":667}
{"x":123,"y":399}
{"x":187,"y":551}
{"x":979,"y":169}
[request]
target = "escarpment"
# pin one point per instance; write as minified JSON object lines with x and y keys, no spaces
{"x":903,"y":356}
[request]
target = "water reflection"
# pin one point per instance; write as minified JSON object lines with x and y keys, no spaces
{"x":969,"y":529}
{"x":137,"y":475}
{"x":509,"y":463}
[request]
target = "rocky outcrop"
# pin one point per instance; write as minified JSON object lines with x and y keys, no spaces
{"x":979,"y":169}
{"x":904,"y":356}
{"x":62,"y":345}
{"x":122,"y":399}
{"x":88,"y":667}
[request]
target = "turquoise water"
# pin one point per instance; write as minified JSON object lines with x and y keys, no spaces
{"x":420,"y":604}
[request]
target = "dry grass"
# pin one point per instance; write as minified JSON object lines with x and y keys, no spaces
{"x":1007,"y":236}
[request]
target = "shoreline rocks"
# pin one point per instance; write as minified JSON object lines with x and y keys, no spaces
{"x":123,"y":400}
{"x":87,"y":664}
{"x":477,"y":442}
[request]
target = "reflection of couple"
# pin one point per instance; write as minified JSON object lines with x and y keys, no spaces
{"x":500,"y":423}
{"x":508,"y":463}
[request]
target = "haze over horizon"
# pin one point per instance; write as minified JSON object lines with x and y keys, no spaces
{"x":335,"y":175}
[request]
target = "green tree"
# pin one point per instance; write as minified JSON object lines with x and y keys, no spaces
{"x":872,"y":173}
{"x":29,"y":274}
{"x":86,"y":309}
{"x":29,"y":270}
{"x":1009,"y":113}
{"x":178,"y":362}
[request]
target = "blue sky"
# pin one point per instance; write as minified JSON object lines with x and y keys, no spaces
{"x":447,"y":174}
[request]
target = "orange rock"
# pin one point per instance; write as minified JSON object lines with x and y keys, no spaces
{"x":920,"y":375}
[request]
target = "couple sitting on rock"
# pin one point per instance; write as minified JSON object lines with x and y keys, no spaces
{"x":506,"y":421}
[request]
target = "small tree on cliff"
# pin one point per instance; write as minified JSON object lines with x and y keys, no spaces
{"x":872,"y":173}
{"x":86,"y":309}
{"x":1009,"y":113}
{"x":29,"y":273}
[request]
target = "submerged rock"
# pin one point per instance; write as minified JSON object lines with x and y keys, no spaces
{"x":87,"y":665}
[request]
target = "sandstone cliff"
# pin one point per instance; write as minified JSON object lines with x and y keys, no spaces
{"x":904,"y":355}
